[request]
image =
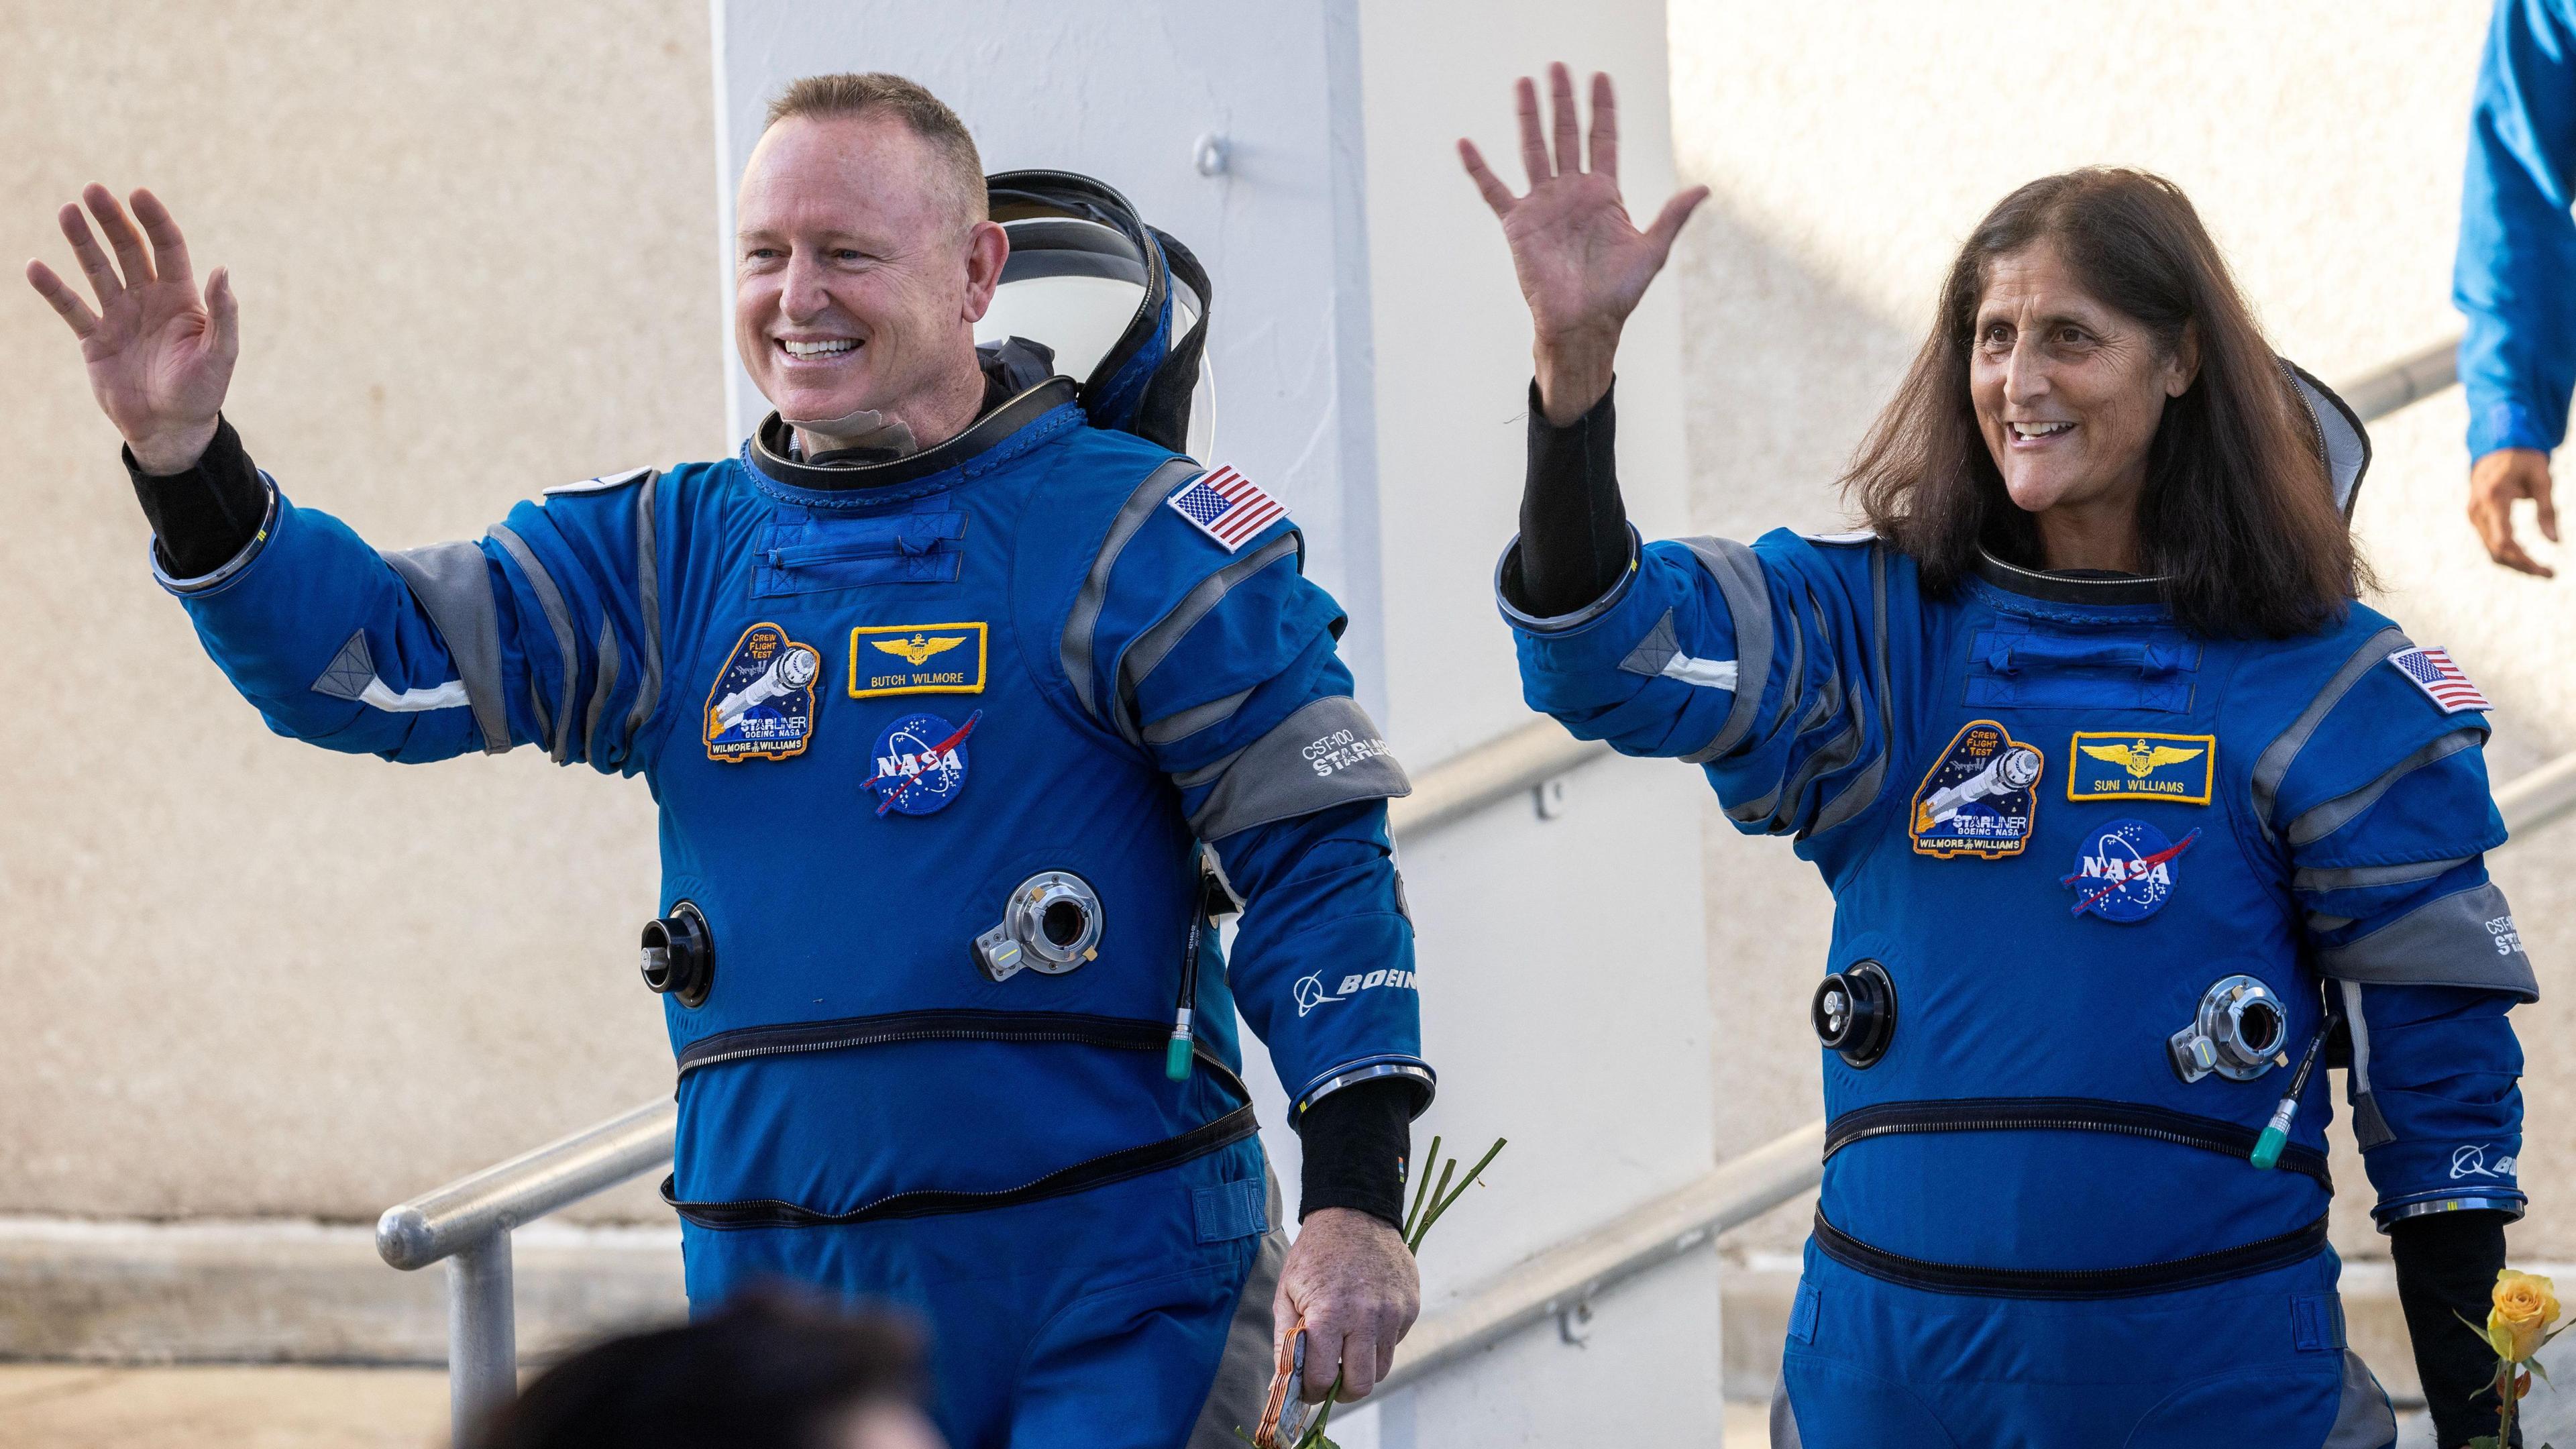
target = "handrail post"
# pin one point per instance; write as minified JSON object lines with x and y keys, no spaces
{"x":482,"y":1335}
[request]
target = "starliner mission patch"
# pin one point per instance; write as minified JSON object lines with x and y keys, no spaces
{"x":917,"y":659}
{"x":1981,"y":798}
{"x":762,"y":706}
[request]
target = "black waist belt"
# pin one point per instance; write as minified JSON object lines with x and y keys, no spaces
{"x":1116,"y":1033}
{"x":2065,"y":1114}
{"x":2192,"y":1272}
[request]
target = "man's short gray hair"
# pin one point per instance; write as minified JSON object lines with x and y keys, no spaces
{"x":822,"y":97}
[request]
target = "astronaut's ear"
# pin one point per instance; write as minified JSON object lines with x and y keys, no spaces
{"x":2183,"y":368}
{"x":987,"y":248}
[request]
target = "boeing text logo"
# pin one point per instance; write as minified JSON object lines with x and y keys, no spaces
{"x":1310,"y":992}
{"x":2471,"y":1161}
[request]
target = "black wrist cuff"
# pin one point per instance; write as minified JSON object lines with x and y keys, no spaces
{"x":1356,"y":1143}
{"x":2446,"y":1271}
{"x":1574,"y":526}
{"x":201,"y":519}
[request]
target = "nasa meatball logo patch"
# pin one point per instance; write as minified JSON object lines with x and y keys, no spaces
{"x":2125,"y":871}
{"x":1981,"y":798}
{"x":921,"y":764}
{"x":762,"y":706}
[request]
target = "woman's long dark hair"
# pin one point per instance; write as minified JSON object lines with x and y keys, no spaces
{"x":2237,"y":516}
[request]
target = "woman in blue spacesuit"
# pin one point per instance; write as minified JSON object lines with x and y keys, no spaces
{"x":2086,"y":728}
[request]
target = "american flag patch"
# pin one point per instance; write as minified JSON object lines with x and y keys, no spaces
{"x":1227,"y":507}
{"x":2435,"y":674}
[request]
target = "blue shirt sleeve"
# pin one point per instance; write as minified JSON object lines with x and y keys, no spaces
{"x":1220,"y":667}
{"x":543,"y":632}
{"x":1766,"y":665}
{"x":2385,"y":816}
{"x":2515,"y":277}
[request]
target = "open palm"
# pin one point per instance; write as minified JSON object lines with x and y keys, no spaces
{"x":160,"y":357}
{"x":1582,"y":263}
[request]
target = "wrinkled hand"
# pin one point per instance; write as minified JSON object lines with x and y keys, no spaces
{"x":1349,"y":1277}
{"x":160,"y":357}
{"x":1581,"y":262}
{"x":2495,"y":481}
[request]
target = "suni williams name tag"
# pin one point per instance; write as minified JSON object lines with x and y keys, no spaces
{"x":2175,"y":768}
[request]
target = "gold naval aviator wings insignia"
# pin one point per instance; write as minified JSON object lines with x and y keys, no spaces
{"x":2140,"y":759}
{"x":917,"y":650}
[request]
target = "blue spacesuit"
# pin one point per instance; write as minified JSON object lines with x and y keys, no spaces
{"x":2100,"y":883}
{"x":2515,"y":277}
{"x":936,"y":742}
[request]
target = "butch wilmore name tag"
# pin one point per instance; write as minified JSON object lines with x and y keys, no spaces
{"x":916,"y":659}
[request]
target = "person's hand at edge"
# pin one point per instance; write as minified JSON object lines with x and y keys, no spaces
{"x":160,"y":356}
{"x":2495,"y":482}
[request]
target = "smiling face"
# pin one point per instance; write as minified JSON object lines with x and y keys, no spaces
{"x":859,"y":275}
{"x":2068,"y":395}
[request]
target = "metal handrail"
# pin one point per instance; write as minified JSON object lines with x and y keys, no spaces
{"x":467,"y":1223}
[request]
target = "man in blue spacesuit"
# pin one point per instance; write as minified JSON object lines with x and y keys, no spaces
{"x":2515,"y":276}
{"x":2130,"y":814}
{"x":968,"y":704}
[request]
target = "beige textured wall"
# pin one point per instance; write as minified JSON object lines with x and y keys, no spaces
{"x":475,"y":258}
{"x":1851,"y":147}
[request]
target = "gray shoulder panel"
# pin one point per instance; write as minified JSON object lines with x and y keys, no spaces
{"x":1863,"y":789}
{"x":1327,"y":753}
{"x":1739,"y":581}
{"x":605,"y":686}
{"x":1185,"y":723}
{"x":2364,"y":877}
{"x":1156,"y":644}
{"x":453,"y":584}
{"x":2320,"y":821}
{"x":1084,"y":621}
{"x":559,"y":619}
{"x":648,"y":605}
{"x":2273,"y":765}
{"x":2466,"y":939}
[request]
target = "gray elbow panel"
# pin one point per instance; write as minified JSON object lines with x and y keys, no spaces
{"x":2466,"y":938}
{"x":559,"y":620}
{"x":452,"y":583}
{"x":1739,"y":581}
{"x":1327,"y":753}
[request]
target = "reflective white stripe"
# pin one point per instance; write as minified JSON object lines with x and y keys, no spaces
{"x":1706,"y":673}
{"x":412,"y":701}
{"x":2360,"y":1036}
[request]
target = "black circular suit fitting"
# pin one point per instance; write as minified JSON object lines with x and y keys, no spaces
{"x":1855,"y":1012}
{"x":680,"y":955}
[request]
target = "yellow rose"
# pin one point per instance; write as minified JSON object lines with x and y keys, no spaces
{"x":2525,"y":1306}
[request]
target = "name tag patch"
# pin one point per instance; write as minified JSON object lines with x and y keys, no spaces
{"x":762,"y":706}
{"x":2175,"y":768}
{"x":917,"y":659}
{"x":1980,"y":798}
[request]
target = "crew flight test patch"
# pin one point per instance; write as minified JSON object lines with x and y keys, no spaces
{"x":1980,"y":798}
{"x":762,"y":705}
{"x":917,"y":659}
{"x":2178,"y":769}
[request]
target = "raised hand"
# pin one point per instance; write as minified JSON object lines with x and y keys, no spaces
{"x":1582,"y":263}
{"x":160,"y":357}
